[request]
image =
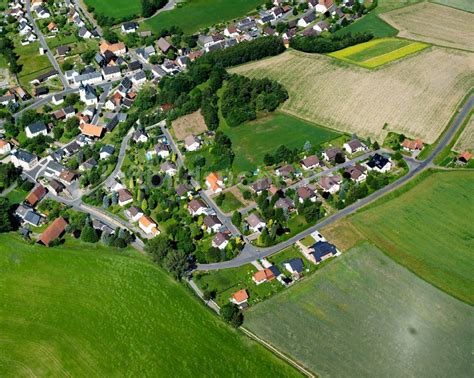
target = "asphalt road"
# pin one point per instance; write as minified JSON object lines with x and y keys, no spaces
{"x":50,"y":56}
{"x":250,"y":252}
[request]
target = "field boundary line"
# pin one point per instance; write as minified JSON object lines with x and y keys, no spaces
{"x":277,"y":352}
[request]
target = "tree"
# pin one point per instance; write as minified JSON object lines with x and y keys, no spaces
{"x":144,"y":205}
{"x":159,"y":248}
{"x":5,"y":220}
{"x":237,"y":218}
{"x":89,"y":235}
{"x":176,"y":263}
{"x":232,"y":315}
{"x":214,"y":254}
{"x":339,"y":158}
{"x":375,"y":145}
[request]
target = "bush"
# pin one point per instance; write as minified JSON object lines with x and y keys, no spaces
{"x":89,"y":235}
{"x":321,"y":45}
{"x":232,"y":315}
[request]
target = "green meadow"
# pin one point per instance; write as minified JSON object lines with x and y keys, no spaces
{"x":115,"y":8}
{"x":89,"y":310}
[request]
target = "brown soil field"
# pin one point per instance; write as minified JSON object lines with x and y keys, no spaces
{"x":415,"y":96}
{"x":433,"y":23}
{"x":189,"y":124}
{"x":466,"y":139}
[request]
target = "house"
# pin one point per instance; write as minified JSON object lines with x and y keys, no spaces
{"x":57,"y":99}
{"x":306,"y":193}
{"x":35,"y":129}
{"x":192,"y":143}
{"x":146,"y":52}
{"x":106,"y":151}
{"x":183,"y":191}
{"x":212,"y":223}
{"x":320,"y":251}
{"x":255,"y":223}
{"x":169,"y":168}
{"x":69,"y":112}
{"x":231,"y":31}
{"x":261,"y":185}
{"x":53,"y":231}
{"x":162,"y":150}
{"x":111,"y":73}
{"x":463,"y":158}
{"x":356,"y":173}
{"x":134,"y":66}
{"x":285,"y":204}
{"x":323,"y":5}
{"x":90,"y":78}
{"x":36,"y":195}
{"x":240,"y":298}
{"x":52,"y":27}
{"x":412,"y":145}
{"x":148,"y":225}
{"x":44,"y":77}
{"x":353,"y":146}
{"x":40,"y":91}
{"x":133,"y":213}
{"x":379,"y":163}
{"x":163,"y":45}
{"x":139,"y":78}
{"x":36,"y":3}
{"x":53,"y":168}
{"x":88,"y":164}
{"x":63,"y":50}
{"x":4,"y":147}
{"x":321,"y":26}
{"x":221,"y":240}
{"x":23,"y":159}
{"x":124,"y":197}
{"x":67,"y":177}
{"x":118,"y":48}
{"x":196,"y":207}
{"x":310,"y":162}
{"x":28,"y":215}
{"x":71,"y":74}
{"x":90,"y":130}
{"x":306,"y":20}
{"x":332,"y":154}
{"x":42,"y":12}
{"x":129,"y":27}
{"x":263,"y":276}
{"x":286,"y":172}
{"x":295,"y":266}
{"x":84,"y":33}
{"x":158,"y":72}
{"x":20,"y":92}
{"x":330,"y":184}
{"x":5,"y":100}
{"x":214,"y":182}
{"x":88,"y":95}
{"x":55,"y":187}
{"x":140,"y":136}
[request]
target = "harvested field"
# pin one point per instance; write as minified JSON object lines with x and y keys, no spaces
{"x":466,"y":140}
{"x":435,"y":24}
{"x":189,"y":124}
{"x":415,"y":96}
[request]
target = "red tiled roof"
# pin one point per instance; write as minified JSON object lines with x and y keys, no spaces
{"x":53,"y":231}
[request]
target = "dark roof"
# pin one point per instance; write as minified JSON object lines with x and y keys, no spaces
{"x":378,"y":161}
{"x":296,"y":264}
{"x":196,"y":204}
{"x":111,"y":70}
{"x":56,"y":185}
{"x":112,"y":123}
{"x":108,"y":148}
{"x":135,"y":65}
{"x":63,"y":50}
{"x":322,"y":249}
{"x":182,"y":190}
{"x":24,"y":156}
{"x":37,"y":127}
{"x":211,"y":221}
{"x":261,"y":185}
{"x":46,"y":75}
{"x":220,"y":238}
{"x":130,"y":25}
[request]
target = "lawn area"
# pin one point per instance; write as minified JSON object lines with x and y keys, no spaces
{"x":378,"y":52}
{"x":465,"y":5}
{"x":198,"y":14}
{"x":427,"y":227}
{"x":230,"y":202}
{"x":89,"y":310}
{"x":251,"y":141}
{"x":365,"y":316}
{"x":115,"y":8}
{"x":33,"y":64}
{"x":16,"y":195}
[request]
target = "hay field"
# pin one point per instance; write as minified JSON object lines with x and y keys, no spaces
{"x":466,"y":139}
{"x":435,"y":24}
{"x":415,"y":96}
{"x":378,"y":52}
{"x":189,"y":124}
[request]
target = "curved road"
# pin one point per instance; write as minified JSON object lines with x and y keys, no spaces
{"x":251,"y":253}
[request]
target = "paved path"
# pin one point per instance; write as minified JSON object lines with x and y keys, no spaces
{"x":8,"y":190}
{"x":250,"y":253}
{"x":50,"y":56}
{"x":100,"y":105}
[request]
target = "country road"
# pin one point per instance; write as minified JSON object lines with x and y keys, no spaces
{"x":251,"y":253}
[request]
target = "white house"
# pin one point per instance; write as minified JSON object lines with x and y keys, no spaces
{"x":133,"y":213}
{"x":106,"y":151}
{"x":129,"y":27}
{"x":148,"y":225}
{"x":4,"y":147}
{"x":124,"y":197}
{"x":192,"y":143}
{"x":255,"y":223}
{"x":169,"y":168}
{"x":111,"y":73}
{"x":57,"y":99}
{"x":35,"y":129}
{"x":23,"y":159}
{"x":88,"y":95}
{"x":221,"y":240}
{"x":196,"y":207}
{"x":379,"y":163}
{"x":354,"y":146}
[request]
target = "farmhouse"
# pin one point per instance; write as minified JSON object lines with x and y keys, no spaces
{"x":36,"y":129}
{"x":412,"y":145}
{"x":214,"y":182}
{"x":353,"y":146}
{"x":36,"y":195}
{"x":263,"y":276}
{"x":310,"y":162}
{"x":464,"y":157}
{"x":255,"y":223}
{"x":124,"y":197}
{"x":240,"y":298}
{"x":221,"y":240}
{"x":53,"y":231}
{"x":379,"y":163}
{"x":196,"y":207}
{"x":330,"y":184}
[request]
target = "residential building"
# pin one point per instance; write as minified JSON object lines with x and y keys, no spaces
{"x":379,"y":163}
{"x":192,"y":143}
{"x":118,"y":48}
{"x":5,"y":147}
{"x":133,"y":213}
{"x":332,"y":154}
{"x":28,"y":215}
{"x":255,"y":223}
{"x":169,"y":168}
{"x":310,"y":162}
{"x":53,"y":231}
{"x":111,"y":73}
{"x":124,"y":197}
{"x":240,"y":298}
{"x":212,"y":223}
{"x":330,"y":184}
{"x":263,"y":276}
{"x":197,"y":207}
{"x":214,"y":182}
{"x":90,"y":130}
{"x":88,"y":95}
{"x":353,"y":146}
{"x":23,"y":159}
{"x":221,"y":240}
{"x":129,"y":27}
{"x":412,"y":145}
{"x":261,"y":185}
{"x":36,"y":129}
{"x":36,"y":195}
{"x":306,"y":193}
{"x":356,"y":173}
{"x":148,"y":225}
{"x":106,"y":151}
{"x":295,"y":266}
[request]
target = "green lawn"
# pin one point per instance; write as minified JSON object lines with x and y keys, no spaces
{"x":198,"y":14}
{"x":365,"y":316}
{"x":16,"y":195}
{"x":427,"y":226}
{"x":32,"y":64}
{"x":115,"y":8}
{"x":466,"y":5}
{"x":230,"y":203}
{"x":88,"y":310}
{"x":251,"y":141}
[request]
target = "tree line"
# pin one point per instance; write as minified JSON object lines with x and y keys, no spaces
{"x":321,"y":45}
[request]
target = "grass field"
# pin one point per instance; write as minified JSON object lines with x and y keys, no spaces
{"x":198,"y":14}
{"x":79,"y":310}
{"x":33,"y":64}
{"x":466,"y":139}
{"x":189,"y":124}
{"x":466,"y":5}
{"x":433,"y":23}
{"x":17,"y":195}
{"x":434,"y":241}
{"x":116,"y":8}
{"x":365,"y":316}
{"x":378,"y":52}
{"x":230,"y":202}
{"x":251,"y":141}
{"x":406,"y":95}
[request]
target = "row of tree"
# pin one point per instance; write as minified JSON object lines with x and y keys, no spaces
{"x":321,"y":45}
{"x":6,"y":49}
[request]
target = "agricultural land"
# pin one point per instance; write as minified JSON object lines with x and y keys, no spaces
{"x":115,"y":8}
{"x":364,"y":315}
{"x":434,"y":24}
{"x":403,"y":97}
{"x":189,"y":124}
{"x":466,"y":139}
{"x":32,"y":64}
{"x":466,"y":5}
{"x":378,"y":52}
{"x":196,"y":14}
{"x":87,"y":310}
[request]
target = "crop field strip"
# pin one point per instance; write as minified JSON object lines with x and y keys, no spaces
{"x":465,"y":5}
{"x":466,"y":139}
{"x":435,"y":24}
{"x":363,"y":315}
{"x":89,"y":310}
{"x":409,"y":98}
{"x":378,"y":52}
